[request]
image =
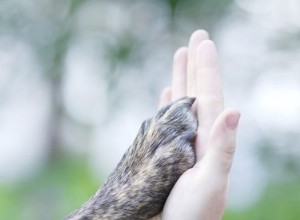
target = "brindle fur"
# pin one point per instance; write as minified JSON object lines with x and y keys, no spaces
{"x":142,"y":181}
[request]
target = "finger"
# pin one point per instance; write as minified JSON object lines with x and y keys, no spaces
{"x":196,"y":38}
{"x":179,"y":74}
{"x":222,"y":142}
{"x":209,"y":88}
{"x":165,"y":97}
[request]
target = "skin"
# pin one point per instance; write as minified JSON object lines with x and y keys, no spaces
{"x":139,"y":186}
{"x":201,"y":192}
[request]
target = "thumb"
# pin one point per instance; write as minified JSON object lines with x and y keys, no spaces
{"x":222,"y":141}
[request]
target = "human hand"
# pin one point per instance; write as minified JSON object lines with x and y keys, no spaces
{"x":200,"y":193}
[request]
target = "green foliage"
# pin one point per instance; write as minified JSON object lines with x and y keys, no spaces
{"x":52,"y":194}
{"x":63,"y":186}
{"x":65,"y":183}
{"x":279,"y":202}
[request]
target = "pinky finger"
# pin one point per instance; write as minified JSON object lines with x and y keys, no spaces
{"x":165,"y":97}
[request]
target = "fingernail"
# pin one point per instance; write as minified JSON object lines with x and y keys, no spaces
{"x":208,"y":54}
{"x":232,"y":121}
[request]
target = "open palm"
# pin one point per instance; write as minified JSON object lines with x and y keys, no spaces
{"x":200,"y":193}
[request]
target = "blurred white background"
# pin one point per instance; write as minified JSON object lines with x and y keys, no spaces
{"x":77,"y":78}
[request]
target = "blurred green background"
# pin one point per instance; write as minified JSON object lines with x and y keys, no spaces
{"x":78,"y":77}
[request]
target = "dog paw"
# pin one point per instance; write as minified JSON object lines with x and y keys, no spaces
{"x":161,"y":153}
{"x":166,"y":140}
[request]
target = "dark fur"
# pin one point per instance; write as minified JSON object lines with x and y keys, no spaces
{"x":142,"y":181}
